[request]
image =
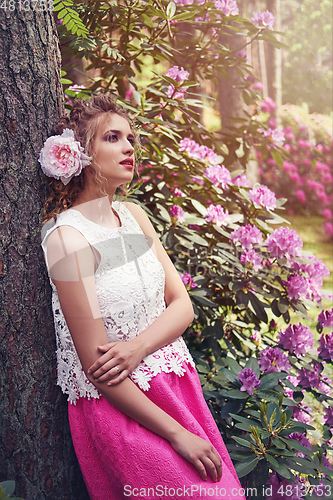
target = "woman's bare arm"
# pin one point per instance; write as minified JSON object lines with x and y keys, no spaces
{"x":164,"y":330}
{"x":72,"y":262}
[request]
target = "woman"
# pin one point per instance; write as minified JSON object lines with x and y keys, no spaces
{"x":139,"y":423}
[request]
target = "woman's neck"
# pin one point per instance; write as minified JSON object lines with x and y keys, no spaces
{"x":98,"y":210}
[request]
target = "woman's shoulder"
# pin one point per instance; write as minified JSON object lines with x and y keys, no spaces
{"x":136,"y":210}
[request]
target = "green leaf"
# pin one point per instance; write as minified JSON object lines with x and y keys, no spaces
{"x":236,"y":394}
{"x":184,"y":16}
{"x":258,"y":307}
{"x":278,"y":467}
{"x":199,"y":207}
{"x":277,"y":157}
{"x":293,"y":443}
{"x":171,"y":10}
{"x":163,"y":212}
{"x":8,"y":487}
{"x":254,"y":365}
{"x":244,"y":467}
{"x":233,"y":365}
{"x":242,"y":441}
{"x":270,"y":380}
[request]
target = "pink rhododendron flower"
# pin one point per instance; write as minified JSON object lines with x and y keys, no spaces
{"x":284,"y":242}
{"x":297,"y":339}
{"x":175,"y":94}
{"x":309,"y":378}
{"x":188,"y":281}
{"x":328,"y":418}
{"x":263,"y":196}
{"x":241,"y":181}
{"x":256,"y":337}
{"x":289,"y":167}
{"x":228,"y":7}
{"x":257,"y":85}
{"x":219,"y":175}
{"x":249,"y":380}
{"x":273,"y":359}
{"x":179,"y":75}
{"x":198,"y":180}
{"x":242,"y":54}
{"x":301,"y":196}
{"x":217,"y":215}
{"x":184,"y":2}
{"x":75,"y":88}
{"x":325,"y":385}
{"x":252,"y":257}
{"x":302,"y":439}
{"x":294,"y":490}
{"x":278,"y":137}
{"x":325,"y":318}
{"x":63,"y":157}
{"x":247,"y":235}
{"x":314,"y":276}
{"x":297,"y":286}
{"x":194,"y":150}
{"x":300,"y":415}
{"x":264,"y":20}
{"x":128,"y":94}
{"x":178,"y":192}
{"x":328,"y":228}
{"x":325,"y":350}
{"x":178,"y":212}
{"x":268,"y":105}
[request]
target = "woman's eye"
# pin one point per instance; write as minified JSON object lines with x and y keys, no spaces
{"x":112,"y":138}
{"x":131,"y":141}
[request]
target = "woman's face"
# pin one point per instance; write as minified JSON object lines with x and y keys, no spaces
{"x":113,"y":150}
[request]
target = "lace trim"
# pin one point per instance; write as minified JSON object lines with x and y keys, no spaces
{"x":130,"y":284}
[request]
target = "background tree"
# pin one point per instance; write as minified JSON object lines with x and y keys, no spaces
{"x":36,"y":448}
{"x":307,"y":66}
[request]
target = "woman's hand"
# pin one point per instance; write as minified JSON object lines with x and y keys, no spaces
{"x":117,"y":362}
{"x":199,"y":452}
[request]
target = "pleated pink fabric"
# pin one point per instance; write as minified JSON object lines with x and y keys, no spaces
{"x":121,"y":459}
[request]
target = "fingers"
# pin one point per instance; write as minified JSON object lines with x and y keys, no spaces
{"x":103,"y":359}
{"x":119,"y":378}
{"x":214,"y":466}
{"x":101,"y":366}
{"x":212,"y":463}
{"x":106,"y":347}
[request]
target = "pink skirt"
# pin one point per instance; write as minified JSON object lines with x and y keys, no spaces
{"x":120,"y":458}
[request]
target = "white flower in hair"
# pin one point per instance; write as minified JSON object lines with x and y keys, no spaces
{"x":62,"y":157}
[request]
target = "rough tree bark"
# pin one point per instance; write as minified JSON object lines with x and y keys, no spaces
{"x":36,"y":449}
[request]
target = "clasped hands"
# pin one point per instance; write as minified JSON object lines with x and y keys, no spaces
{"x":117,"y":362}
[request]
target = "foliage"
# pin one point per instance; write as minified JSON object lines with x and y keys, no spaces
{"x":305,"y":175}
{"x":238,"y":271}
{"x":307,"y":72}
{"x":7,"y":489}
{"x":69,"y":17}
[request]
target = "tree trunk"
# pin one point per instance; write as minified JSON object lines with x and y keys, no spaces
{"x":230,"y":97}
{"x":36,"y":449}
{"x":274,"y":62}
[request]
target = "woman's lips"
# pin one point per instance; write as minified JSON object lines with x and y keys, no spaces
{"x":128,"y":162}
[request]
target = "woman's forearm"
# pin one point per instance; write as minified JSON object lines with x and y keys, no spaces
{"x":167,"y":327}
{"x":129,"y":399}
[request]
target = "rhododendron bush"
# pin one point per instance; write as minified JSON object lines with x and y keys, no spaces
{"x":242,"y":269}
{"x":304,"y":173}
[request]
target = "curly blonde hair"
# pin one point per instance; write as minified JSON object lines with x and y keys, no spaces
{"x":84,"y":119}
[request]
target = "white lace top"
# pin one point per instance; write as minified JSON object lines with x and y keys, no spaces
{"x":130,"y":288}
